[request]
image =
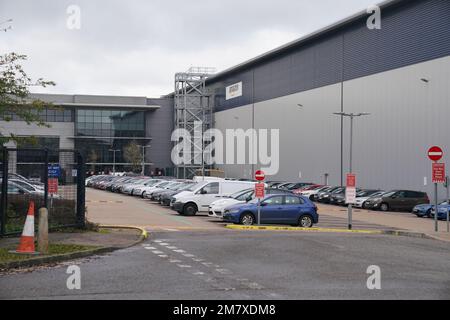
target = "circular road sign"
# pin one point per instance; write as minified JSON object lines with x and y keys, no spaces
{"x":435,"y":153}
{"x":260,"y":175}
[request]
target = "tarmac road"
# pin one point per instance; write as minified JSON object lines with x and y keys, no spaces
{"x":230,"y":264}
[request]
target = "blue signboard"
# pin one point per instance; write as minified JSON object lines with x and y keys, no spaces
{"x":54,"y":170}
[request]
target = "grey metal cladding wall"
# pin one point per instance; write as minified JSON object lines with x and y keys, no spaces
{"x":413,"y":32}
{"x":159,"y":126}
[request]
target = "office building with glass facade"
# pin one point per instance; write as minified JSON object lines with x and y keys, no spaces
{"x":100,"y":127}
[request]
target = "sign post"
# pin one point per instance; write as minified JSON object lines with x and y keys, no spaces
{"x":447,"y":182}
{"x":54,"y":172}
{"x":259,"y":176}
{"x":350,"y":196}
{"x":435,"y":154}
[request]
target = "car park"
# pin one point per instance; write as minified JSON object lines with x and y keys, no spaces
{"x":275,"y":209}
{"x":404,"y":200}
{"x":145,"y":191}
{"x":312,"y":192}
{"x":324,"y":197}
{"x":190,"y":202}
{"x":167,"y":195}
{"x":217,"y":208}
{"x":365,"y":195}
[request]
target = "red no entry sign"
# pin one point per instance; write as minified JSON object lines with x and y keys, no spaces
{"x":435,"y":153}
{"x":260,"y":175}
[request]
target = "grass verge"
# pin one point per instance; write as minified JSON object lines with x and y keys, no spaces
{"x":54,"y":249}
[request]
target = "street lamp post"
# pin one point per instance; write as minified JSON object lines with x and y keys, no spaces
{"x":114,"y":159}
{"x":351,"y":116}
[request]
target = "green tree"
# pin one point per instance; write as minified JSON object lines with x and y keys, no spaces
{"x":15,"y":94}
{"x":132,"y":154}
{"x":92,"y":159}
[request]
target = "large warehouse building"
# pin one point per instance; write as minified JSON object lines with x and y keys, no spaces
{"x":400,"y":74}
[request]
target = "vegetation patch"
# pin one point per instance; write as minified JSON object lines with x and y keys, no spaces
{"x":54,"y":249}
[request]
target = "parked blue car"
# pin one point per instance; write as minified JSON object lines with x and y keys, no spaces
{"x":275,"y":209}
{"x":443,"y":208}
{"x":427,"y":210}
{"x":423,"y":210}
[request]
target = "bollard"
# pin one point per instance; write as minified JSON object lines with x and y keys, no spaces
{"x":43,"y":231}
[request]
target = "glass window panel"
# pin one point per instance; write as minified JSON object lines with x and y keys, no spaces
{"x":98,"y":119}
{"x":97,"y":113}
{"x":81,"y":112}
{"x":89,"y":113}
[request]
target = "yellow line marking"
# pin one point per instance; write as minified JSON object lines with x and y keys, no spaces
{"x":273,"y":228}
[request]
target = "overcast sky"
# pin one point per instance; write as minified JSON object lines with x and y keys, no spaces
{"x":134,"y":47}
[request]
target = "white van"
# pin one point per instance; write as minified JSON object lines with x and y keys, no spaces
{"x":198,"y":200}
{"x":203,"y":179}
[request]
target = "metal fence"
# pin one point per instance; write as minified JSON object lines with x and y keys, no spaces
{"x":50,"y":178}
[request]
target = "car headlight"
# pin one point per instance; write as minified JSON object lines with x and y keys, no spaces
{"x":233,"y":211}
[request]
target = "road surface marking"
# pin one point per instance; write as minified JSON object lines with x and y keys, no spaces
{"x":172,"y":247}
{"x":150,"y":248}
{"x":174,"y":261}
{"x":157,"y":252}
{"x":179,"y":251}
{"x":188,"y":255}
{"x":183,"y":265}
{"x":163,"y":256}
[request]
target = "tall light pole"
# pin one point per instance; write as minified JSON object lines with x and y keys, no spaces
{"x":114,"y":159}
{"x":351,"y":116}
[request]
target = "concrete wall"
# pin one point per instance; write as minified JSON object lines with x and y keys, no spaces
{"x":407,"y":117}
{"x":63,"y":130}
{"x":159,"y":126}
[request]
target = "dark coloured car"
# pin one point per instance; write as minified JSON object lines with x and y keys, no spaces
{"x":324,"y":197}
{"x":275,"y":209}
{"x":402,"y":200}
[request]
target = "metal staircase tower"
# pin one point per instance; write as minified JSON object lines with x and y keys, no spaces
{"x":193,"y":112}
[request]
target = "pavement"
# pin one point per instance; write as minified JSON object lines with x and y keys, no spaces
{"x":388,"y":220}
{"x":110,"y":208}
{"x":106,"y":238}
{"x":227,"y":264}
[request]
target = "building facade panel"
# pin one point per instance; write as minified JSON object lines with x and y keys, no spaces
{"x":412,"y":32}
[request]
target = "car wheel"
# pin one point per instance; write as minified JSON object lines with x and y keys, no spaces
{"x":190,"y":209}
{"x":363,"y":205}
{"x":247,"y":219}
{"x":305,"y":221}
{"x":384,"y":207}
{"x":143,"y":194}
{"x":428,"y":214}
{"x":311,"y":198}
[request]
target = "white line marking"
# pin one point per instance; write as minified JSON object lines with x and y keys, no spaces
{"x":163,"y":244}
{"x":174,"y":261}
{"x":157,"y":252}
{"x":179,"y":251}
{"x":198,"y":260}
{"x":163,"y":256}
{"x":150,"y":248}
{"x":157,"y":241}
{"x":224,"y":271}
{"x":188,"y":255}
{"x":183,"y":265}
{"x":172,"y":247}
{"x":207,"y":264}
{"x":198,"y":273}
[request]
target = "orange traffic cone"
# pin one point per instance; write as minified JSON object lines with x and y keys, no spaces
{"x":27,"y":240}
